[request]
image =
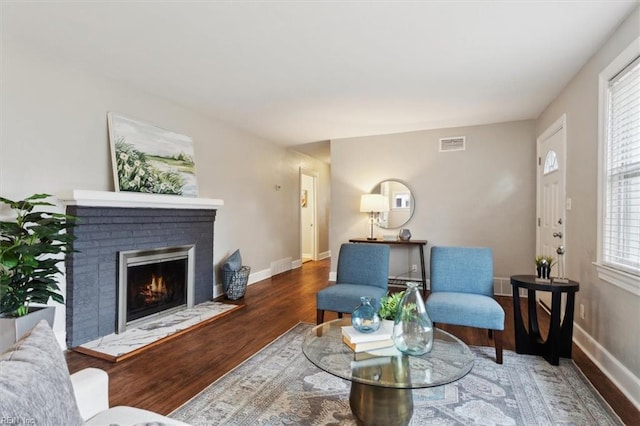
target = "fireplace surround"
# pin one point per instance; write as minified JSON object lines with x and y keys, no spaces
{"x":154,"y":282}
{"x":110,"y":223}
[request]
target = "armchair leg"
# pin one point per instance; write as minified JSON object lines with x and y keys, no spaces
{"x":319,"y":316}
{"x":490,"y":334}
{"x":497,"y":341}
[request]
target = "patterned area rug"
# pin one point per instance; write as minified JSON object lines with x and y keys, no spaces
{"x":279,"y":386}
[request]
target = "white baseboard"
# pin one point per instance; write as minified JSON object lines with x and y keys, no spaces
{"x":321,"y":256}
{"x":259,"y":276}
{"x":254,"y":277}
{"x":324,"y":255}
{"x":624,"y":379}
{"x":277,"y":266}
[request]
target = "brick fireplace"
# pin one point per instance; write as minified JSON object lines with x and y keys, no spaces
{"x":110,"y":224}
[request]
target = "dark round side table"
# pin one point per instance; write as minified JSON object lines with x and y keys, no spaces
{"x":558,"y":343}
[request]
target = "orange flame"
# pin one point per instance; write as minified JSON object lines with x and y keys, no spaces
{"x":155,"y":291}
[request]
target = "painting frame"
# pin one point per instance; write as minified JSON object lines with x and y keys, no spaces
{"x":146,"y":158}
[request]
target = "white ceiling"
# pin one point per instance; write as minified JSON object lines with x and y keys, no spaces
{"x":296,"y":72}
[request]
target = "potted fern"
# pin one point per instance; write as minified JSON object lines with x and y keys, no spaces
{"x":389,"y":305}
{"x":32,"y":245}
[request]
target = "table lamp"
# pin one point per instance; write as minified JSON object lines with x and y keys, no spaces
{"x":373,"y":204}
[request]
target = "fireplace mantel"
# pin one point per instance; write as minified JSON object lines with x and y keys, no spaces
{"x":78,"y":197}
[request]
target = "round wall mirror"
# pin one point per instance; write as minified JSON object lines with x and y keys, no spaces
{"x":401,"y":203}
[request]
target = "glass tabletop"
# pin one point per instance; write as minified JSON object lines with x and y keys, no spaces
{"x":449,"y":360}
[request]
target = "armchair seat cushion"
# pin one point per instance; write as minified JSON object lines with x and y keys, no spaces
{"x":363,"y":271}
{"x":469,"y":310}
{"x":345,"y":297}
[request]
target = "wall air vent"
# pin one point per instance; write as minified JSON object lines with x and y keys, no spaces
{"x":456,"y":143}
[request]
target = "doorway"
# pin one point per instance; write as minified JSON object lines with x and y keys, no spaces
{"x":308,"y":215}
{"x":552,"y":203}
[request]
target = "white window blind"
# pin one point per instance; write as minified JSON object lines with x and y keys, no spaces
{"x":621,"y":236}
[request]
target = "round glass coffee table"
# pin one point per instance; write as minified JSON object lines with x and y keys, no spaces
{"x":382,"y":380}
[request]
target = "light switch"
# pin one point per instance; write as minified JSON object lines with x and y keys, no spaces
{"x":568,"y":203}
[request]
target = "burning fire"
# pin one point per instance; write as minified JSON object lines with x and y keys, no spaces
{"x":154,"y":291}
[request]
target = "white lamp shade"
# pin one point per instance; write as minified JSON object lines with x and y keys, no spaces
{"x":374,"y":203}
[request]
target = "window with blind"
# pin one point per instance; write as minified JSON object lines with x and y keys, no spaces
{"x":619,"y":198}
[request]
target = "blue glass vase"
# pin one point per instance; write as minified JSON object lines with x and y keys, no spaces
{"x":412,"y":327}
{"x":365,"y":317}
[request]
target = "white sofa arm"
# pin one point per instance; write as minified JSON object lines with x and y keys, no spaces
{"x":91,"y":388}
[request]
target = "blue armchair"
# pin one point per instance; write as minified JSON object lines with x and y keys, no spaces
{"x":462,"y":291}
{"x":363,"y":270}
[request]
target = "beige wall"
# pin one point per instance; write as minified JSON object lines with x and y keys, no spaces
{"x":54,"y":138}
{"x":610,"y":331}
{"x":483,"y":196}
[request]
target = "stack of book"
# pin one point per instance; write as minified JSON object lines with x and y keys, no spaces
{"x":360,"y":342}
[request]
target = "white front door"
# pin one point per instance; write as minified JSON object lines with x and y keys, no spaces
{"x":551,"y":198}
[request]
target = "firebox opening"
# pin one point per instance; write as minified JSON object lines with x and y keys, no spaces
{"x":154,"y":282}
{"x":155,"y":287}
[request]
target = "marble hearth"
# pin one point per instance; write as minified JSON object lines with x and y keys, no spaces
{"x":112,"y":222}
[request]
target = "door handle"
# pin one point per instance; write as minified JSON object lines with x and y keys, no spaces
{"x":557,"y":235}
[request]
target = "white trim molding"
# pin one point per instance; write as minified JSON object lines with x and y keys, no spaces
{"x":259,"y":276}
{"x":78,"y":197}
{"x":607,"y":273}
{"x":624,"y":280}
{"x":324,"y":255}
{"x":624,"y":379}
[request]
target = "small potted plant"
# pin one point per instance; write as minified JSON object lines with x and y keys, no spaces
{"x":389,"y":305}
{"x":31,"y":247}
{"x":543,"y":266}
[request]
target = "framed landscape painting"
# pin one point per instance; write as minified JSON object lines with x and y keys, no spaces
{"x":147,"y":158}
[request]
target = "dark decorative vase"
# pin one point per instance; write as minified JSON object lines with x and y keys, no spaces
{"x":543,"y":269}
{"x":365,"y":318}
{"x":412,"y":328}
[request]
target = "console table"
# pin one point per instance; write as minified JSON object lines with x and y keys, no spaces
{"x":558,"y":343}
{"x":409,"y":243}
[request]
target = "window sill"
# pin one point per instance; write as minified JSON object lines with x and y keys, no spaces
{"x":624,"y":280}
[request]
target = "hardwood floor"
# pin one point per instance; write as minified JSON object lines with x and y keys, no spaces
{"x":166,"y":376}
